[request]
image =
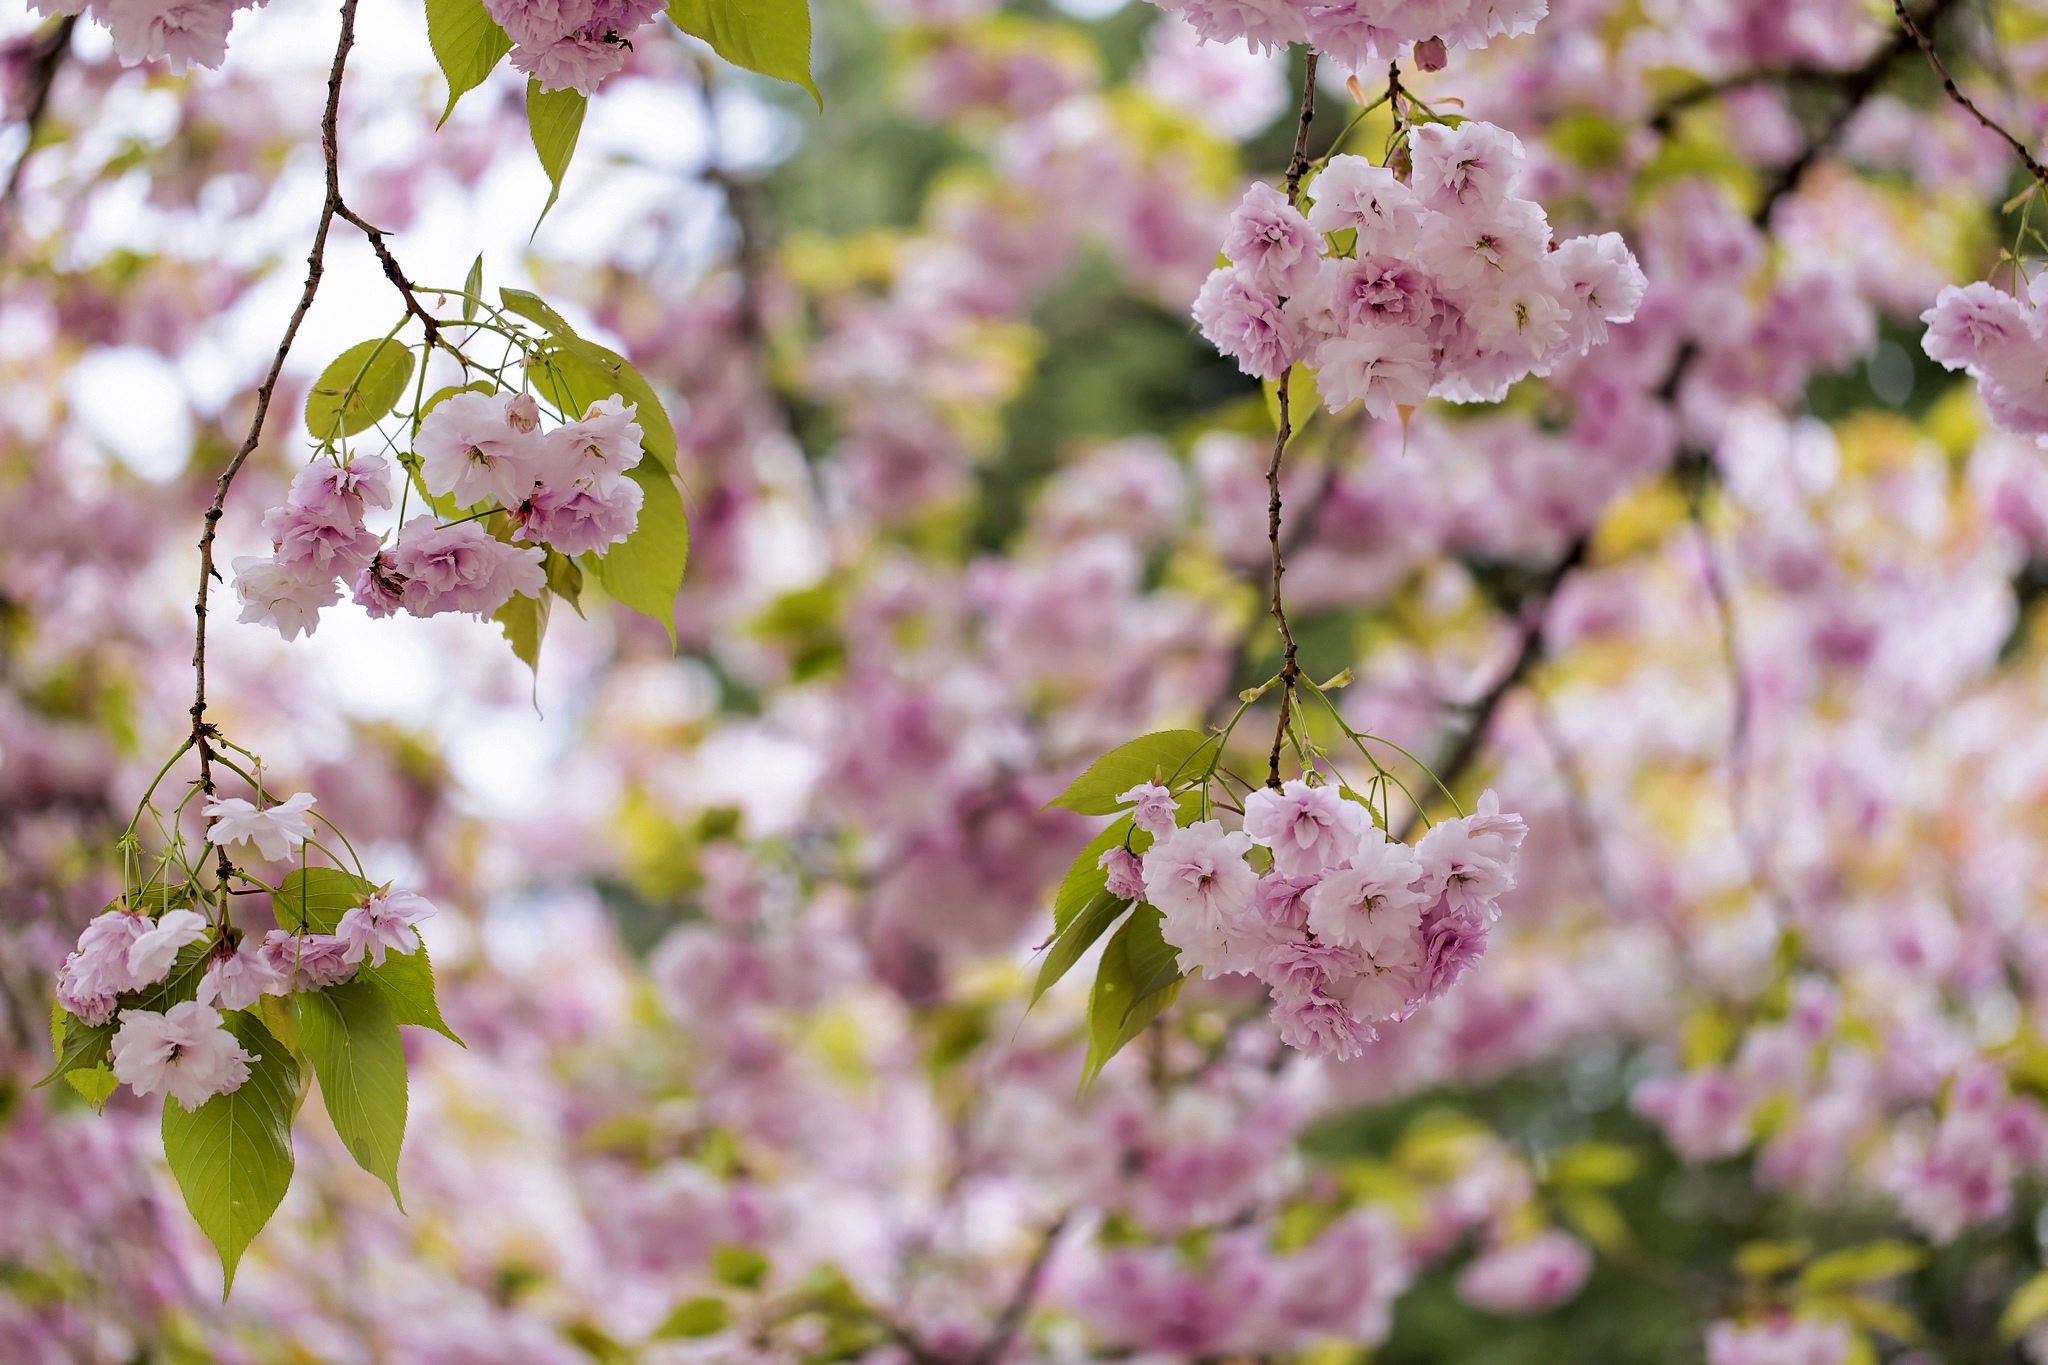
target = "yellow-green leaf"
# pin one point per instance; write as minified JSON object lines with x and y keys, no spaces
{"x":1139,"y":976}
{"x":1880,"y":1260}
{"x":232,"y":1157}
{"x":315,"y":898}
{"x":467,"y":43}
{"x":554,"y":120}
{"x":1169,"y":757}
{"x":645,"y":570}
{"x":351,"y":1036}
{"x":1075,"y":937}
{"x":524,"y":620}
{"x":699,"y":1317}
{"x":364,"y":382}
{"x":772,"y":37}
{"x":2027,"y":1306}
{"x":407,"y":980}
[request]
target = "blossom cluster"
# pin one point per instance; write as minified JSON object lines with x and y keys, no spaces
{"x":1361,"y":33}
{"x":571,"y":44}
{"x":566,"y":489}
{"x":183,"y":33}
{"x":1347,"y":926}
{"x":2001,"y":341}
{"x":185,"y":1049}
{"x":1448,"y":284}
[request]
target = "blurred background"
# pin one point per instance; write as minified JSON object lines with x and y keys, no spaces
{"x":1736,"y":611}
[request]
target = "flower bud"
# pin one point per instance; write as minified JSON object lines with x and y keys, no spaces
{"x":522,"y":413}
{"x":1430,"y":55}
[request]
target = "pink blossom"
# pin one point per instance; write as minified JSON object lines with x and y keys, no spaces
{"x":1471,"y":167}
{"x":379,"y":589}
{"x":1387,"y":368}
{"x":1298,"y":968}
{"x":596,"y":450}
{"x":307,"y":961}
{"x":1265,"y":25}
{"x":184,"y":33}
{"x":1247,"y":325}
{"x":1200,"y":882}
{"x":275,"y":829}
{"x":1155,"y":810}
{"x":380,"y":923}
{"x":1704,"y":1114}
{"x":1600,"y":283}
{"x":1351,"y":192}
{"x":237,"y":980}
{"x":97,"y":970}
{"x":470,"y":447}
{"x":1780,"y":1340}
{"x":1320,"y":1026}
{"x":151,"y":955}
{"x":1126,"y":875}
{"x":287,"y":595}
{"x":1308,"y":828}
{"x":461,"y":568}
{"x":1531,"y":1276}
{"x":183,"y":1052}
{"x":1382,"y":291}
{"x":338,"y":490}
{"x":1470,"y":861}
{"x":1372,"y":898}
{"x":1272,"y":245}
{"x":309,"y":540}
{"x":578,"y":518}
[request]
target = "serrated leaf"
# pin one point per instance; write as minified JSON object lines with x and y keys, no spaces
{"x":350,"y":1034}
{"x":93,"y":1086}
{"x":554,"y":120}
{"x":362,"y":384}
{"x":407,"y":980}
{"x":699,"y":1317}
{"x":315,"y":898}
{"x":1139,"y":976}
{"x":1075,"y":938}
{"x":79,"y":1046}
{"x":468,"y":44}
{"x":531,"y":306}
{"x":472,"y":284}
{"x":1880,"y":1260}
{"x":645,"y":570}
{"x":1169,"y":757}
{"x":772,"y":37}
{"x":2027,"y":1306}
{"x":232,"y":1157}
{"x":524,"y":621}
{"x":574,"y":373}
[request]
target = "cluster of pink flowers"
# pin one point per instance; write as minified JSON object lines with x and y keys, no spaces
{"x":1347,"y":926}
{"x":186,"y":1051}
{"x":1449,"y":285}
{"x":184,"y":33}
{"x":1362,"y":33}
{"x":317,"y":537}
{"x":2002,"y":342}
{"x":571,"y":44}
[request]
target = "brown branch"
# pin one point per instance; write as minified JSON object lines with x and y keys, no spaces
{"x":44,"y":60}
{"x":316,"y":264}
{"x":1948,"y":84}
{"x":1007,"y":1325}
{"x":1289,"y":669}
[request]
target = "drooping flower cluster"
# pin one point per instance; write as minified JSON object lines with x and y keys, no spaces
{"x":185,"y":1048}
{"x":567,"y":489}
{"x":1447,"y":285}
{"x":1348,"y":927}
{"x":2002,"y":342}
{"x":571,"y":44}
{"x":1362,"y":33}
{"x":184,"y":33}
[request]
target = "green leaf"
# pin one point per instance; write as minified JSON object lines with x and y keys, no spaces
{"x":79,"y":1046}
{"x":407,"y":980}
{"x":467,"y":43}
{"x":2027,"y":1306}
{"x":1075,"y":937}
{"x":351,"y":1035}
{"x":739,"y":1266}
{"x":364,"y":382}
{"x":473,"y":288}
{"x":181,"y":983}
{"x":645,"y":570}
{"x":1595,"y":1165}
{"x":575,"y":373}
{"x":772,"y":37}
{"x":93,"y":1086}
{"x":524,"y":620}
{"x":1168,"y":757}
{"x":232,"y":1156}
{"x":1880,"y":1260}
{"x":699,"y":1317}
{"x":1086,"y":877}
{"x":554,"y":119}
{"x":1597,"y":1218}
{"x":1762,"y":1260}
{"x":1139,"y":976}
{"x":565,"y":578}
{"x":315,"y":898}
{"x":529,"y":305}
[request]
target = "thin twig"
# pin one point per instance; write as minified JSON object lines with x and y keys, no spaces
{"x":316,"y":264}
{"x":1948,"y":84}
{"x":1007,"y":1325}
{"x":1289,"y":669}
{"x":48,"y":56}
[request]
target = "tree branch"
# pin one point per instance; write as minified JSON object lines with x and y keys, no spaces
{"x":45,"y":58}
{"x":1948,"y":84}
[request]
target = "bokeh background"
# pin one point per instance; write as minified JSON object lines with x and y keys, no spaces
{"x":1736,"y":611}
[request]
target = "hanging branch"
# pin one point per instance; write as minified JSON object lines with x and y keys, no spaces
{"x":41,"y":69}
{"x":1289,"y":669}
{"x":1926,"y":44}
